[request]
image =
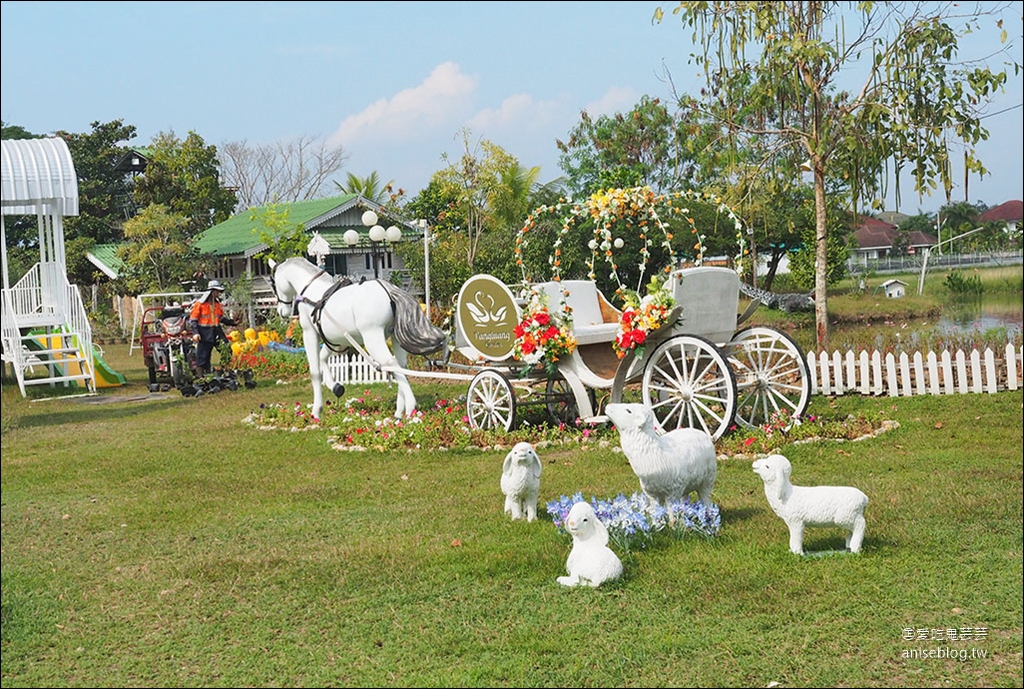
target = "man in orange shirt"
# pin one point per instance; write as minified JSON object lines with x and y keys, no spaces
{"x":205,"y":319}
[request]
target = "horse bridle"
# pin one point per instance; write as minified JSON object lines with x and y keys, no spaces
{"x":300,"y":297}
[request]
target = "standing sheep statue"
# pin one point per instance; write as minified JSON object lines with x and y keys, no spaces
{"x":520,"y":481}
{"x":669,"y":465}
{"x":591,"y":562}
{"x":801,"y":506}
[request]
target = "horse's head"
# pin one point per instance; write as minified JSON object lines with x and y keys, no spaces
{"x":284,"y":291}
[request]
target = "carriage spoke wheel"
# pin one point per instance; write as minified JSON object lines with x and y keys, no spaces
{"x":771,"y":376}
{"x":688,"y":383}
{"x":491,"y":401}
{"x":561,"y":401}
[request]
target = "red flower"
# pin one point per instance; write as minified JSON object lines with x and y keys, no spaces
{"x":542,"y":318}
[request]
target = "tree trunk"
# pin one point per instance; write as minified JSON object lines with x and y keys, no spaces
{"x":820,"y":258}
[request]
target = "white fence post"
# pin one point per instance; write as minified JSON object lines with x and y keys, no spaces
{"x":1011,"y":367}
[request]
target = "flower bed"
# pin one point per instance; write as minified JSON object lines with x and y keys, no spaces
{"x":634,"y":522}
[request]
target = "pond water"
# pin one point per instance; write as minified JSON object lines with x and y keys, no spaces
{"x":964,"y":324}
{"x":985,"y":313}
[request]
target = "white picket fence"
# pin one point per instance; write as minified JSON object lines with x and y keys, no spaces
{"x":840,"y":374}
{"x":353,"y":368}
{"x":906,"y":375}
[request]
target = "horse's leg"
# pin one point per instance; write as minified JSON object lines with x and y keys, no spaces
{"x":404,"y":388}
{"x":311,"y":341}
{"x":377,"y":347}
{"x":325,"y":369}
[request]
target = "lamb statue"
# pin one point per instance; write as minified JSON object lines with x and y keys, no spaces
{"x":669,"y":465}
{"x":520,"y":481}
{"x":801,"y":506}
{"x":591,"y":562}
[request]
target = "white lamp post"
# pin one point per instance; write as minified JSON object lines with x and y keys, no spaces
{"x":377,"y":235}
{"x":426,"y":262}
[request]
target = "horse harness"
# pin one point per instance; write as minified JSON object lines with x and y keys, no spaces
{"x":318,"y":306}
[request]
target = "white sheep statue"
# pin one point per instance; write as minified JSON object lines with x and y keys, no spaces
{"x":669,"y":465}
{"x":591,"y":562}
{"x":802,"y":506}
{"x":520,"y":481}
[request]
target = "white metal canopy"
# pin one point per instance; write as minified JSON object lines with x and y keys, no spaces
{"x":38,"y":172}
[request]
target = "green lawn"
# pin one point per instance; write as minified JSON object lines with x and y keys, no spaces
{"x":160,"y":541}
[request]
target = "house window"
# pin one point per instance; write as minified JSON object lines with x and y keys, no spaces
{"x":223,"y":270}
{"x":336,"y":264}
{"x":260,"y":267}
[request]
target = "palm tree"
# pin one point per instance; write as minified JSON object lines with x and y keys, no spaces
{"x":370,"y":187}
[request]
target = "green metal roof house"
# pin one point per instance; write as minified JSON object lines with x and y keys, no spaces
{"x":236,"y":242}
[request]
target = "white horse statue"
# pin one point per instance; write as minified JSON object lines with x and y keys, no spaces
{"x":340,"y":315}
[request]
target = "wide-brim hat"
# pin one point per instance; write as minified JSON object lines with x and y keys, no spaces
{"x":215,"y":284}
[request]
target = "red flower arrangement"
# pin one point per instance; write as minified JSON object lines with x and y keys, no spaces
{"x":639,"y":320}
{"x":542,"y":338}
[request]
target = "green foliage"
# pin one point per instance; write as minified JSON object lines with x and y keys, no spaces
{"x":647,"y":146}
{"x":773,"y":75}
{"x":156,"y":253}
{"x":284,"y":239}
{"x":960,"y":284}
{"x":10,"y":132}
{"x":185,"y":177}
{"x":802,"y":263}
{"x":369,"y":187}
{"x":103,"y":193}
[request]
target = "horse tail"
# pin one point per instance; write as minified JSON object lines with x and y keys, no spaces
{"x":413,"y":330}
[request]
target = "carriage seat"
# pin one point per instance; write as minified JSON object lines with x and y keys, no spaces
{"x":594,"y":319}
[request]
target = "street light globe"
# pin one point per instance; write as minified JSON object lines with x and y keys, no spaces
{"x":393,"y":234}
{"x":351,"y":237}
{"x":376,"y":232}
{"x":369,"y":218}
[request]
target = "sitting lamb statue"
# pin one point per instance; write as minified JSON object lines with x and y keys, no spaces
{"x":520,"y":481}
{"x":669,"y":465}
{"x":591,"y":562}
{"x":801,"y":506}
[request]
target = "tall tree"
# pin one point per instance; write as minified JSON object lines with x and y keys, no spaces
{"x":648,"y":146}
{"x":294,"y":170}
{"x":778,"y":72}
{"x":471,"y":181}
{"x":103,"y":193}
{"x":185,"y":177}
{"x":157,"y":254}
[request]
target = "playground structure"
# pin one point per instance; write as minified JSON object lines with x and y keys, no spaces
{"x":45,"y":325}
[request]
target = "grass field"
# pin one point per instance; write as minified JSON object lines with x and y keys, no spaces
{"x":159,"y":541}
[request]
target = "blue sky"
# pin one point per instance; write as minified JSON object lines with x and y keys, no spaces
{"x":393,"y":82}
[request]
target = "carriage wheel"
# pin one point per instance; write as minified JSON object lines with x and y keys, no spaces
{"x":491,"y":401}
{"x":561,"y":401}
{"x":688,"y":384}
{"x":771,"y":376}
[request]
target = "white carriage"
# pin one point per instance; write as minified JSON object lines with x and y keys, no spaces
{"x":700,"y":371}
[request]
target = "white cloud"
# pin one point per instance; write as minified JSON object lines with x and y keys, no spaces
{"x":440,"y":97}
{"x":615,"y":99}
{"x":519,"y":110}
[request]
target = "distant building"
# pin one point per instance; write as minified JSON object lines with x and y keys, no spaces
{"x":1009,"y":213}
{"x":875,"y":238}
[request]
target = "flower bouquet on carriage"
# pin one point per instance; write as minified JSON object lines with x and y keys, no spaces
{"x":543,"y":338}
{"x":641,"y":317}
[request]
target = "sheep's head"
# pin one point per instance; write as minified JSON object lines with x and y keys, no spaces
{"x":584,"y":525}
{"x":772,"y":468}
{"x":522,"y":455}
{"x":631,"y":416}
